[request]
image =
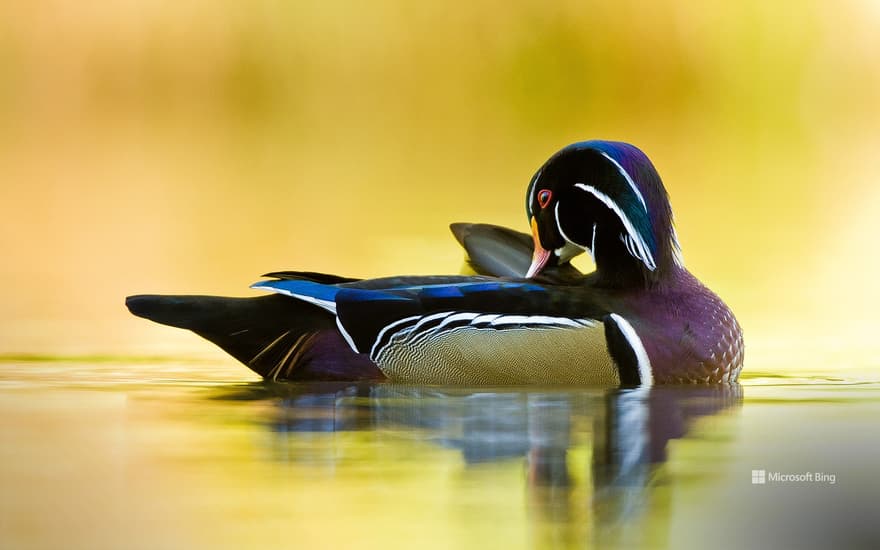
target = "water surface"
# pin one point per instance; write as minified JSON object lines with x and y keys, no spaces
{"x":151,"y":453}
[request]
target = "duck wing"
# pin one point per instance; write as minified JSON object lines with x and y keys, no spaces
{"x":474,"y":331}
{"x":501,"y":252}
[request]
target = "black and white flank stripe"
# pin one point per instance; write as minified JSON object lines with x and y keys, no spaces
{"x":418,"y":328}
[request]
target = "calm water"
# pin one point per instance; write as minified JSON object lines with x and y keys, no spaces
{"x":108,"y":453}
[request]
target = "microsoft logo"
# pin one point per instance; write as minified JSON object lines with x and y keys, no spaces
{"x":762,"y":477}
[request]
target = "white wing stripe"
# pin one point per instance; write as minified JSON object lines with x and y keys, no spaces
{"x":329,"y":305}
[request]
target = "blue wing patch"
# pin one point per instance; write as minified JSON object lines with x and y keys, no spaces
{"x":322,"y":295}
{"x":458,"y":290}
{"x":300,"y":288}
{"x":441,"y":292}
{"x":360,"y":295}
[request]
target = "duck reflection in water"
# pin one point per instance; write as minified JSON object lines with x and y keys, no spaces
{"x":627,"y":431}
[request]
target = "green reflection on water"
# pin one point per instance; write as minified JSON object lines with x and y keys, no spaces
{"x":176,"y":455}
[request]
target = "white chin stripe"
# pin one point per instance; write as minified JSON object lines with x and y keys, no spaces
{"x":646,"y":376}
{"x":561,"y":232}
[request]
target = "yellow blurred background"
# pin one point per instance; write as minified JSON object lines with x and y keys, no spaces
{"x":188,"y":147}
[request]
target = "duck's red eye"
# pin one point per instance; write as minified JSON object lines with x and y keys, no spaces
{"x":544,"y":196}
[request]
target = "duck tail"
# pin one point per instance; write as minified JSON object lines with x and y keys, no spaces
{"x":275,"y":336}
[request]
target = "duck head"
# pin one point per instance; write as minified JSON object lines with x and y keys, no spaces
{"x":605,"y":198}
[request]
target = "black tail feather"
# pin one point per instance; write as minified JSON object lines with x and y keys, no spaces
{"x":324,"y":278}
{"x":269,"y":334}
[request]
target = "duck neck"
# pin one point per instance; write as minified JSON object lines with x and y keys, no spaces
{"x":617,"y":268}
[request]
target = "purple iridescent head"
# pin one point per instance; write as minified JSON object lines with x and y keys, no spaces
{"x":606,"y":198}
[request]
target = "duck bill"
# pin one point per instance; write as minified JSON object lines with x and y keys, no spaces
{"x":540,"y":255}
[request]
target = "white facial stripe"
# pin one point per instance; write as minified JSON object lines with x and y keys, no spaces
{"x":628,"y":179}
{"x":646,"y":377}
{"x":627,"y":242}
{"x":631,"y":247}
{"x":642,"y":247}
{"x":534,"y":185}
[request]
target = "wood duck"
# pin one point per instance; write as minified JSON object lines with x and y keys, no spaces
{"x":527,"y":317}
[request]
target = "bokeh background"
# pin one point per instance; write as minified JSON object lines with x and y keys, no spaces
{"x":188,"y":147}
